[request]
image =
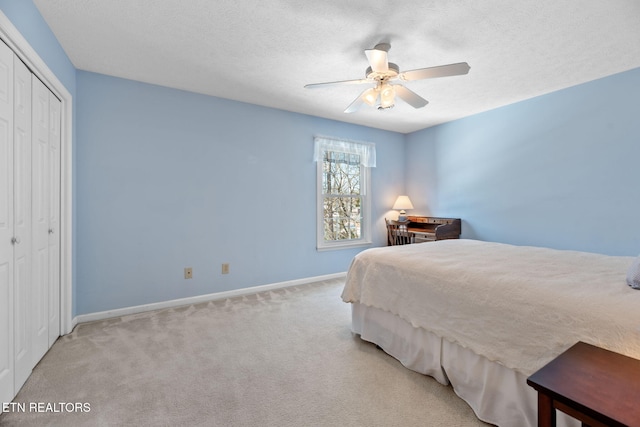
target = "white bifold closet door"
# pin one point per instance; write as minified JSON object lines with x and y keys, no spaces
{"x":29,"y":218}
{"x":45,"y":208}
{"x":7,"y":236}
{"x":23,"y":358}
{"x":55,"y":196}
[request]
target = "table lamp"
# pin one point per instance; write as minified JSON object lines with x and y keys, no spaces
{"x":401,"y":204}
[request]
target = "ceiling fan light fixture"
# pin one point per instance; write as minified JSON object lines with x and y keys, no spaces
{"x":387,"y":95}
{"x":370,"y":96}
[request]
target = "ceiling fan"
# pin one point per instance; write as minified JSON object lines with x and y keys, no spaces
{"x":381,"y":73}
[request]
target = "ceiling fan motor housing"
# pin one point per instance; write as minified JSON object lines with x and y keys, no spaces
{"x":392,"y":72}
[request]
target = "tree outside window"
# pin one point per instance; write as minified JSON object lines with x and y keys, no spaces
{"x":342,"y":202}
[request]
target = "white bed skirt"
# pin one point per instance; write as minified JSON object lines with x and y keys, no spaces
{"x":498,"y":395}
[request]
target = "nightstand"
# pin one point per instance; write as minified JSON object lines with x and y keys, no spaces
{"x":596,"y":386}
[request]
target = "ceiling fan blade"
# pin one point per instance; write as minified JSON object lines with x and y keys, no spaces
{"x":410,"y":97}
{"x":433,"y":72}
{"x":357,"y":103}
{"x":377,"y":58}
{"x":342,"y":82}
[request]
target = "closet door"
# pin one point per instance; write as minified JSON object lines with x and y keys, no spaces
{"x":23,"y":360}
{"x":6,"y":224}
{"x":54,"y":218}
{"x":40,"y":218}
{"x":30,"y":140}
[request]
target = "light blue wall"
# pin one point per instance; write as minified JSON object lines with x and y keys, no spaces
{"x":168,"y":179}
{"x":560,"y":170}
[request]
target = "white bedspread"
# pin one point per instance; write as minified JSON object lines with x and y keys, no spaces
{"x":517,"y":305}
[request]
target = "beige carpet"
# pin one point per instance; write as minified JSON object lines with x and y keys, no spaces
{"x":279,"y":358}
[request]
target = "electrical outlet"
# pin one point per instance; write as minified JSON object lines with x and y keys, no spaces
{"x":225,"y":268}
{"x":188,"y":273}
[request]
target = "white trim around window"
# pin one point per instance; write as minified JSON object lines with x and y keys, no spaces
{"x":362,"y":158}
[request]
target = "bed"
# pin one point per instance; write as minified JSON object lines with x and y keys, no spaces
{"x":483,"y":316}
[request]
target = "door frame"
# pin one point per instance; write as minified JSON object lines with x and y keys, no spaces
{"x":21,"y":47}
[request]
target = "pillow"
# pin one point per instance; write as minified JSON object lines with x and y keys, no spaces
{"x":633,"y":275}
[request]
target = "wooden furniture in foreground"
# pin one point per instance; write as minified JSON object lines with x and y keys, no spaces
{"x":428,"y":228}
{"x":596,"y":386}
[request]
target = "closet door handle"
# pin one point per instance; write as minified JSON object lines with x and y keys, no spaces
{"x":51,"y":231}
{"x":15,"y":240}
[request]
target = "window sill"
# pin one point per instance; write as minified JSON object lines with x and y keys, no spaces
{"x":337,"y":246}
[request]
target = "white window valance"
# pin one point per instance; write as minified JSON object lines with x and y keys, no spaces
{"x":366,"y":151}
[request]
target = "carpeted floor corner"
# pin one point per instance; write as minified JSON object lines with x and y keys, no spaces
{"x":277,"y":358}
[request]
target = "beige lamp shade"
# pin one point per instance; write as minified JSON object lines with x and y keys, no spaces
{"x":402,"y":203}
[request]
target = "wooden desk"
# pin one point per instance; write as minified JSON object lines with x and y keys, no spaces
{"x":596,"y":386}
{"x":429,"y":228}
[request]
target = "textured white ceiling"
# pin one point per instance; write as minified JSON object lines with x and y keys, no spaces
{"x":264,"y":52}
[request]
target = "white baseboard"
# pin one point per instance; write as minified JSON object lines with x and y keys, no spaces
{"x":91,"y":317}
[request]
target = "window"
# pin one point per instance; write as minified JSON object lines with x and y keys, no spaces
{"x":343,"y":192}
